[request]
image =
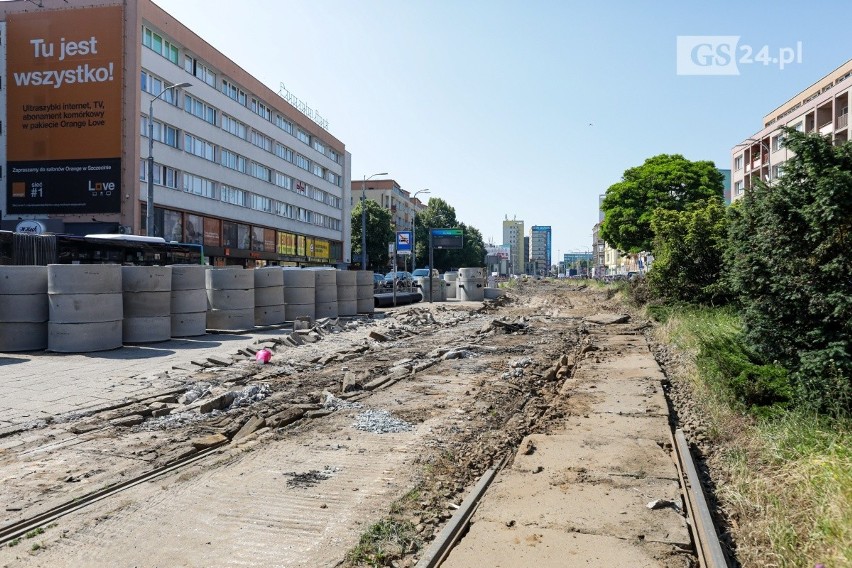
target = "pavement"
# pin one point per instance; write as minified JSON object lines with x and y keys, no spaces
{"x":42,"y":386}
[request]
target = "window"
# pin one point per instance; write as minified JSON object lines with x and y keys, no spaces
{"x":302,"y":162}
{"x":160,"y":46}
{"x":319,"y":146}
{"x":738,"y":163}
{"x":199,"y":147}
{"x":283,"y":180}
{"x":777,"y":171}
{"x":260,"y":140}
{"x":234,"y":126}
{"x":739,"y":187}
{"x":234,"y":92}
{"x":331,"y":177}
{"x":284,"y":209}
{"x":260,"y":171}
{"x":164,"y":133}
{"x":777,"y":142}
{"x":233,"y":161}
{"x":317,"y":170}
{"x":284,"y":124}
{"x":233,"y":195}
{"x":198,"y":185}
{"x":283,"y":152}
{"x":333,"y":155}
{"x":260,"y":203}
{"x":199,"y":70}
{"x":303,"y":136}
{"x":799,"y":126}
{"x":163,"y":175}
{"x":199,"y":108}
{"x":260,"y":109}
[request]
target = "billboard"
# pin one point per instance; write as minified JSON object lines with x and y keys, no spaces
{"x":64,"y":115}
{"x":447,"y":238}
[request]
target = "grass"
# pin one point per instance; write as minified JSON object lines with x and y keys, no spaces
{"x":786,"y":477}
{"x":382,"y":542}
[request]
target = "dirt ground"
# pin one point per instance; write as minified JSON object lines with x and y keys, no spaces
{"x":393,"y":416}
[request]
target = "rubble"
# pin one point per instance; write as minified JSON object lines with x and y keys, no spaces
{"x":381,"y":422}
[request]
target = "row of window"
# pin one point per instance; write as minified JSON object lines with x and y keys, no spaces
{"x":199,"y":108}
{"x":173,"y":179}
{"x":199,"y":70}
{"x":201,"y":148}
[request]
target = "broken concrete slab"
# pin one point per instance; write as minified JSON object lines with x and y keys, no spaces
{"x":254,"y":423}
{"x":607,"y":319}
{"x":127,"y":421}
{"x":208,"y":441}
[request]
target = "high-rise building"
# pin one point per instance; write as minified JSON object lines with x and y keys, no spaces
{"x":513,"y":235}
{"x":540,"y":249}
{"x":389,"y":194}
{"x":823,"y":107}
{"x":250,"y":173}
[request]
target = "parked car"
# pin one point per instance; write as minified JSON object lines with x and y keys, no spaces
{"x":378,"y":278}
{"x":401,"y":278}
{"x":420,"y":273}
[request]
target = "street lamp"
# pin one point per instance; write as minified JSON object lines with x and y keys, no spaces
{"x":364,"y":219}
{"x":414,"y":230}
{"x":149,"y":218}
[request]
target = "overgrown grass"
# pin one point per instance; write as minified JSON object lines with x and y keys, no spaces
{"x":382,"y":542}
{"x":786,"y":477}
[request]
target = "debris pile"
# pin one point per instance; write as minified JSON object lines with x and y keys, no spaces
{"x":381,"y":422}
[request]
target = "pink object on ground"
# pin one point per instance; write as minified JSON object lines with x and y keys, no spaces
{"x":263,"y":356}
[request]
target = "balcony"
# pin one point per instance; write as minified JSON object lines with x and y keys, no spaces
{"x":842,"y":121}
{"x":826,"y":128}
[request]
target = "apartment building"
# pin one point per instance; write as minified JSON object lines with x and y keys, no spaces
{"x":251,"y":174}
{"x":540,"y":249}
{"x":823,"y":107}
{"x":401,"y":203}
{"x":513,"y":235}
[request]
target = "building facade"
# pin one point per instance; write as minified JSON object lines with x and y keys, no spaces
{"x":540,"y":249}
{"x":388,"y":193}
{"x":513,"y":235}
{"x":251,"y":175}
{"x":823,"y":107}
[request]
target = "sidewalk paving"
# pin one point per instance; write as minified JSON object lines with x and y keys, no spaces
{"x":38,"y":386}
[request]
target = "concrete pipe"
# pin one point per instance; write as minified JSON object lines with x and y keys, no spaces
{"x":188,"y":277}
{"x":236,"y":299}
{"x":23,"y":308}
{"x":19,"y":280}
{"x":84,"y":337}
{"x":189,"y":324}
{"x":229,"y":279}
{"x":366,"y":306}
{"x":188,"y":301}
{"x":85,"y":308}
{"x":347,"y":307}
{"x":83,"y":279}
{"x":234,"y":320}
{"x":268,"y":277}
{"x":147,"y":304}
{"x":23,"y":336}
{"x":269,"y":315}
{"x":147,"y":329}
{"x":298,"y":278}
{"x":299,"y":295}
{"x":293,"y":311}
{"x":269,"y":296}
{"x":146,"y":279}
{"x":327,"y":310}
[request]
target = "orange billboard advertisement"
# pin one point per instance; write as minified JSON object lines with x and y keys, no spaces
{"x":64,"y":105}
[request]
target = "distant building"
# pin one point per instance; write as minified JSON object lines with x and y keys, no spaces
{"x":513,"y":235}
{"x":726,"y":183}
{"x":540,"y":248}
{"x":823,"y":107}
{"x":528,"y":268}
{"x":389,"y":194}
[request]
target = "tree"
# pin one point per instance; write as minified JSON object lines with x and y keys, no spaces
{"x":689,"y":249}
{"x":441,"y":215}
{"x":379,"y":233}
{"x":669,"y":182}
{"x":792,"y":269}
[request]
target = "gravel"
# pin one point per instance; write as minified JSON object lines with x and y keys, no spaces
{"x":381,"y":422}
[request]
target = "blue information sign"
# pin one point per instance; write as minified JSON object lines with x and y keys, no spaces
{"x":403,"y":242}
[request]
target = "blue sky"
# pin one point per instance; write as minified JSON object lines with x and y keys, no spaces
{"x":528,"y":109}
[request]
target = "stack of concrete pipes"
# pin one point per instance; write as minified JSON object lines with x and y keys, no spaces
{"x":80,"y":308}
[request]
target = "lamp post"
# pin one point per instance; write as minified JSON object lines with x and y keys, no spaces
{"x":364,"y":219}
{"x":414,"y":231}
{"x":149,"y":218}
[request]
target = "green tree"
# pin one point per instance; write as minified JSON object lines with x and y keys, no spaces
{"x":441,"y":215}
{"x":379,"y":233}
{"x":689,"y":249}
{"x":791,"y":265}
{"x":669,"y":182}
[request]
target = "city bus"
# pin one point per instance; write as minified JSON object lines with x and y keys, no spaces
{"x":29,"y":249}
